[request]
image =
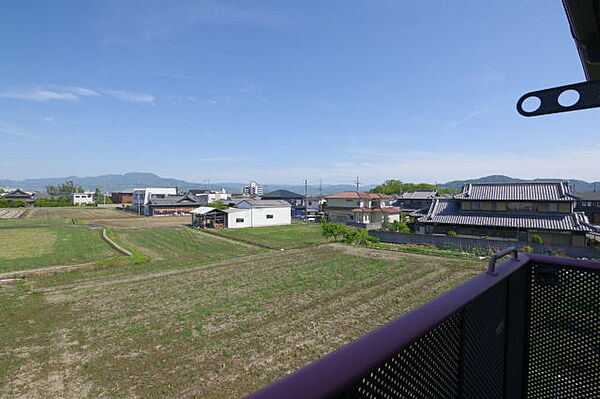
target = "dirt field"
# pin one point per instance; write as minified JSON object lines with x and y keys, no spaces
{"x":44,"y":214}
{"x":143,"y":221}
{"x":220,"y":329}
{"x":11,"y":213}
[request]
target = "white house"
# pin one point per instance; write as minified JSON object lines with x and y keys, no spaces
{"x":248,"y":213}
{"x":142,"y":196}
{"x":82,"y":198}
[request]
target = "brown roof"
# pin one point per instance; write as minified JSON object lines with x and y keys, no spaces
{"x":358,"y":194}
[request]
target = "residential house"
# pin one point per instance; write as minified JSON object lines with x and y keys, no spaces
{"x":248,"y":213}
{"x":171,"y":205}
{"x":253,"y":189}
{"x":589,"y":203}
{"x":295,"y":200}
{"x":514,"y":211}
{"x":20,"y":195}
{"x":121,"y":197}
{"x":81,"y":198}
{"x":367,"y":210}
{"x":141,"y":197}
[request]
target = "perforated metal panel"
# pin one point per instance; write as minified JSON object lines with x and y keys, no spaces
{"x":564,"y":333}
{"x":484,"y":345}
{"x":428,"y":368}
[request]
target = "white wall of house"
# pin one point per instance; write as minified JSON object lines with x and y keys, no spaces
{"x":208,"y":198}
{"x":83,"y":198}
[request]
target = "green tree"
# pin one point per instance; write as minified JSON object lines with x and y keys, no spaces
{"x":67,"y":187}
{"x":332,"y":229}
{"x":536,"y":239}
{"x":397,"y":187}
{"x":217,"y":205}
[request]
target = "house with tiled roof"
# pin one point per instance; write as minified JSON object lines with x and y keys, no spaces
{"x":355,"y":208}
{"x":512,"y":211}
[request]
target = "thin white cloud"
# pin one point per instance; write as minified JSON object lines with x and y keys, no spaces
{"x":47,"y":119}
{"x":129,"y":96}
{"x":18,"y":133}
{"x":61,"y":93}
{"x":81,"y":91}
{"x":39,"y":95}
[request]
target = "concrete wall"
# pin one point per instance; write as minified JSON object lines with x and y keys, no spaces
{"x":494,"y":245}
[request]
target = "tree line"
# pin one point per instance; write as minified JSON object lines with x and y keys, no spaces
{"x":392,"y":186}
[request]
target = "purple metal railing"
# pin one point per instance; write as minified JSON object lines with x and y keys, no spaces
{"x":475,"y":340}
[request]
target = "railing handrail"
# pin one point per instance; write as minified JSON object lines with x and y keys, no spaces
{"x":492,"y":262}
{"x":339,"y":370}
{"x":553,"y":260}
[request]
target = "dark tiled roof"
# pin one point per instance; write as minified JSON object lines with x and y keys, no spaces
{"x":267,"y":203}
{"x":559,"y":191}
{"x":445,"y":211}
{"x":175,"y":200}
{"x":282,"y":194}
{"x":358,"y":194}
{"x":418,"y":195}
{"x":588,"y":196}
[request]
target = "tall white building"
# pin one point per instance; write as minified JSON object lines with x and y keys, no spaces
{"x":253,"y":189}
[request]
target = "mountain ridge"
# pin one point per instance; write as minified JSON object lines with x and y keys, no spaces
{"x":130,"y":180}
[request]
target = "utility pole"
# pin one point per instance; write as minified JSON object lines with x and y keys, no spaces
{"x":305,"y":200}
{"x":320,"y":188}
{"x":357,"y":181}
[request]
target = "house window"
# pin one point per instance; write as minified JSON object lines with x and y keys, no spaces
{"x":239,"y":220}
{"x":269,"y":216}
{"x":475,"y":206}
{"x":349,"y":200}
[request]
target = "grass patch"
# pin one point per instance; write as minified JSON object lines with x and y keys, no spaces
{"x":280,"y":237}
{"x":22,"y":249}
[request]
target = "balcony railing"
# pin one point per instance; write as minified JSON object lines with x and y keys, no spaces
{"x":527,"y":328}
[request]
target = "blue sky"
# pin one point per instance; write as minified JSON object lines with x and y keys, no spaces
{"x":285,"y":91}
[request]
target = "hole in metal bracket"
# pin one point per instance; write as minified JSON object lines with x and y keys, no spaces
{"x":531,"y":104}
{"x":568,"y":98}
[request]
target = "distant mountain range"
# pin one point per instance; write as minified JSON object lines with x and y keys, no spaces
{"x":132,"y":180}
{"x":578,"y":185}
{"x":129,"y":181}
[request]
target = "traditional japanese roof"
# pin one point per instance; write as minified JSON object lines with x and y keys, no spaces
{"x":174,"y":200}
{"x":446,"y":211}
{"x":588,"y":196}
{"x":18,"y":193}
{"x":267,"y":203}
{"x":557,"y":191}
{"x":386,"y":209}
{"x":282,"y":194}
{"x":358,"y":195}
{"x":418,"y":195}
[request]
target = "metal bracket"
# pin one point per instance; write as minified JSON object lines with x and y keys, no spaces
{"x":589,"y":97}
{"x":492,"y":262}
